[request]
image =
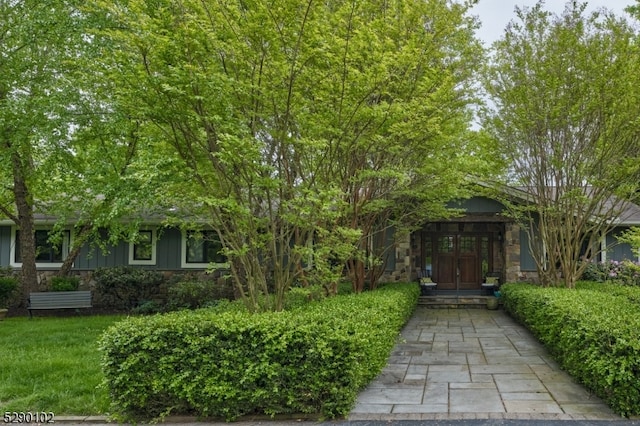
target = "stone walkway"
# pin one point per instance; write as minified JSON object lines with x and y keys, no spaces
{"x":473,"y":364}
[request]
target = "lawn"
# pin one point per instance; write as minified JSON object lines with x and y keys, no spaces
{"x":53,"y":365}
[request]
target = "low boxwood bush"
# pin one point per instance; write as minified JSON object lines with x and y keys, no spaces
{"x":593,"y":333}
{"x":65,"y":283}
{"x":229,"y":364}
{"x":126,"y":288}
{"x":193,"y":293}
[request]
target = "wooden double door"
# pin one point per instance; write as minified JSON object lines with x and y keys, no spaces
{"x":459,"y":261}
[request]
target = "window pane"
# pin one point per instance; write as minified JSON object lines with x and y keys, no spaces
{"x":143,"y":248}
{"x":445,"y":244}
{"x":204,"y":247}
{"x":428,"y":257}
{"x":484,"y":254}
{"x":45,"y":250}
{"x":195,"y":248}
{"x":467,"y":244}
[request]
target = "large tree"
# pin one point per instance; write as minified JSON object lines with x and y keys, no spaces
{"x":300,"y":129}
{"x":37,"y":41}
{"x":67,"y":150}
{"x":566,"y":102}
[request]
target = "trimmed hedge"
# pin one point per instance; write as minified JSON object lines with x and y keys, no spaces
{"x":593,"y":332}
{"x":230,"y":364}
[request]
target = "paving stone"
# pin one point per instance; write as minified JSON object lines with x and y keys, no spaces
{"x":426,"y":336}
{"x":421,"y":408}
{"x":526,"y":396}
{"x":508,"y":384}
{"x":473,"y":364}
{"x":568,"y":391}
{"x":482,"y":378}
{"x":476,"y":359}
{"x":418,"y":369}
{"x":448,"y":337}
{"x":474,"y":401}
{"x":528,"y":360}
{"x":369,"y":408}
{"x":500,"y":369}
{"x":439,"y":358}
{"x":388,"y":396}
{"x":448,"y":373}
{"x":587,"y":409}
{"x":528,"y":406}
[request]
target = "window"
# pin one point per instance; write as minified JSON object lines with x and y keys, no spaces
{"x":51,"y":248}
{"x":142,"y":250}
{"x":202,"y":249}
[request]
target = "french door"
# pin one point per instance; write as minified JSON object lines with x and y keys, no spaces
{"x":458,"y":261}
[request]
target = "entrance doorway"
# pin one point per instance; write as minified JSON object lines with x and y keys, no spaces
{"x":456,"y":258}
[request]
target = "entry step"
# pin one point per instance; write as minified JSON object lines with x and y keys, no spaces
{"x":453,"y":302}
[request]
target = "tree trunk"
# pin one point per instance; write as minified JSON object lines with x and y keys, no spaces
{"x":79,"y":240}
{"x":358,"y":275}
{"x":24,"y":206}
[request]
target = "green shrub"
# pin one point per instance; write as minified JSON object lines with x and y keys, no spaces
{"x":125,"y":287}
{"x":626,"y":272}
{"x":299,"y":297}
{"x":592,"y":332}
{"x":148,"y":307}
{"x":8,"y":286}
{"x":230,"y":364}
{"x":65,"y":283}
{"x":197,"y":293}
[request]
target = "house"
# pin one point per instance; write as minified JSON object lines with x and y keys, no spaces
{"x":157,"y":247}
{"x":457,"y":253}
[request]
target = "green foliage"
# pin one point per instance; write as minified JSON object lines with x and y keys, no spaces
{"x":125,"y":287}
{"x":624,"y":272}
{"x":314,"y":120}
{"x":591,"y":331}
{"x":565,"y":116}
{"x":229,"y":364}
{"x":8,"y":286}
{"x":65,"y":283}
{"x":300,"y":297}
{"x":148,"y":307}
{"x":631,"y":236}
{"x":197,"y":293}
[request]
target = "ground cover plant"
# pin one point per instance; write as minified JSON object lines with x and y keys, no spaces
{"x":592,"y":331}
{"x":53,"y":365}
{"x":311,"y":359}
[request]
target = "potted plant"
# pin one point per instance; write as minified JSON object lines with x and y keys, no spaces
{"x":8,"y":286}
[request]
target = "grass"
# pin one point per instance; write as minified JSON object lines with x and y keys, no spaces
{"x":53,"y":365}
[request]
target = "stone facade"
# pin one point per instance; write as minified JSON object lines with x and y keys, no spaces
{"x":506,"y":248}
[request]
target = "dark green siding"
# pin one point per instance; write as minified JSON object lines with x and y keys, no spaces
{"x":619,"y":251}
{"x":5,"y":246}
{"x":527,"y":262}
{"x":478,"y":205}
{"x":168,"y":252}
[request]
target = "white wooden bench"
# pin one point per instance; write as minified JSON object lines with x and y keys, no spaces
{"x":59,"y":300}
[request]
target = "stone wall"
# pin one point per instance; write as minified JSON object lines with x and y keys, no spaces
{"x":402,"y":251}
{"x":512,"y":252}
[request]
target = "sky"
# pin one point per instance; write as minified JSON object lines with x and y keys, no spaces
{"x":496,"y":14}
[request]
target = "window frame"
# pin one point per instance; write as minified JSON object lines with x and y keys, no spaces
{"x":196,"y":265}
{"x":67,"y":240}
{"x":132,"y":249}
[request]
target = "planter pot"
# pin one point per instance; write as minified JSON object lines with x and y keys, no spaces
{"x":492,"y":303}
{"x":3,"y":313}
